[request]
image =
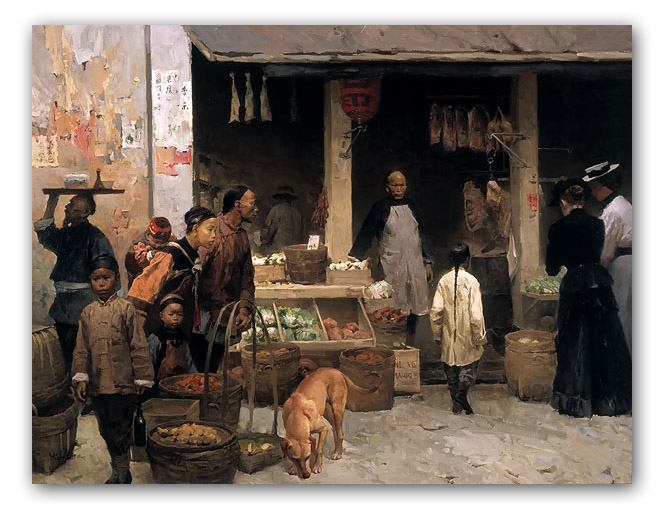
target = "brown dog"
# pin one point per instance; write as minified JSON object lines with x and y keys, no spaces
{"x":306,"y":366}
{"x":323,"y":393}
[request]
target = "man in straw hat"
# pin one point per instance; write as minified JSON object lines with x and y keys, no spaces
{"x":604,"y":180}
{"x":284,"y":224}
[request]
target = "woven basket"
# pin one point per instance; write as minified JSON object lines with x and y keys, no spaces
{"x":251,"y":463}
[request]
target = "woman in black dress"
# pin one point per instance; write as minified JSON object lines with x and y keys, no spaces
{"x":594,"y":371}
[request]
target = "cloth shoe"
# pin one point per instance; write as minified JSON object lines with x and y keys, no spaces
{"x":463,"y":401}
{"x":125,"y":478}
{"x":114,"y":478}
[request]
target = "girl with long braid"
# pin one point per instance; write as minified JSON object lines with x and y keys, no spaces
{"x":457,"y":322}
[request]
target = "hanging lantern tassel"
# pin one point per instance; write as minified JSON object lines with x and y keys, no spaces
{"x":294,"y":110}
{"x":265,"y":111}
{"x":249,"y":101}
{"x":234,"y":104}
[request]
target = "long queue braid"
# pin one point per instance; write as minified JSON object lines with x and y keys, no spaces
{"x":457,"y":269}
{"x":459,"y":254}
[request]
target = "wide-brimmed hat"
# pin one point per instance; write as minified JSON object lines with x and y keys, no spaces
{"x":285,"y":192}
{"x":560,"y":187}
{"x":599,"y":170}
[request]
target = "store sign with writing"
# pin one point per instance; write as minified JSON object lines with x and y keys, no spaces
{"x":313,"y":242}
{"x":532,"y":201}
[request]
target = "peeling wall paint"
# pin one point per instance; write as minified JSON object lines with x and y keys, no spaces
{"x":173,"y":123}
{"x":89,"y":111}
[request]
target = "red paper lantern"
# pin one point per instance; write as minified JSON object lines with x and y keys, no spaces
{"x":359,"y":98}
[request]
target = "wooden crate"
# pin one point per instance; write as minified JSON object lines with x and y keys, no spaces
{"x":349,"y":277}
{"x":407,"y":376}
{"x":159,"y":411}
{"x":269,"y":273}
{"x":342,"y":310}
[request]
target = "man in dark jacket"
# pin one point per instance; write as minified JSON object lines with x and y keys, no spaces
{"x":227,"y":276}
{"x":76,"y":244}
{"x":404,"y":252}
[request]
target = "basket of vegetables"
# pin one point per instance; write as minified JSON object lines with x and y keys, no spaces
{"x":270,"y":327}
{"x":543,"y":285}
{"x":192,"y":452}
{"x":258,"y":451}
{"x":389,"y":320}
{"x":299,"y":324}
{"x":269,"y":268}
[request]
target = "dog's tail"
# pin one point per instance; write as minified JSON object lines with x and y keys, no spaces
{"x":360,"y":389}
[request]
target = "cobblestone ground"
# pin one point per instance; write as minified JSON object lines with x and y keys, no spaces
{"x":420,"y":441}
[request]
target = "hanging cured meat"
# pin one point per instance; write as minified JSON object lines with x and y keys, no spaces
{"x":506,"y":127}
{"x":475,"y":212}
{"x":265,"y":109}
{"x":249,"y":100}
{"x":462,"y":128}
{"x":449,"y":134}
{"x":493,"y":126}
{"x":478,"y":129}
{"x":436,"y":122}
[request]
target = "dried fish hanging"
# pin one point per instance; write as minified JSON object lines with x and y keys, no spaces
{"x":234,"y":103}
{"x":294,"y":109}
{"x":435,"y":124}
{"x":265,"y":110}
{"x":249,"y":100}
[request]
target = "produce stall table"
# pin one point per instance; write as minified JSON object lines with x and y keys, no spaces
{"x":537,"y":298}
{"x":293,"y":290}
{"x":343,"y":302}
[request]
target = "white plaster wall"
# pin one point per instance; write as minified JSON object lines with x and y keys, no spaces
{"x":172,"y":122}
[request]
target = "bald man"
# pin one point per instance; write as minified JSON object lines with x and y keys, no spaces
{"x":404,"y":252}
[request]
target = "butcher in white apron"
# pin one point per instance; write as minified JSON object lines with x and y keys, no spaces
{"x":617,"y":250}
{"x":403,"y":249}
{"x":402,"y":261}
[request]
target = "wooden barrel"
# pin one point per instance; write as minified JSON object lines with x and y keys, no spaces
{"x":286,"y":365}
{"x":180,"y":464}
{"x":305,"y":266}
{"x":530,"y":364}
{"x":50,"y":377}
{"x":369,"y":373}
{"x":54,"y":435}
{"x":215,"y":412}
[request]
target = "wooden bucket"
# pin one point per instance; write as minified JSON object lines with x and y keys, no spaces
{"x":530,"y":364}
{"x":54,"y":435}
{"x":286,"y":365}
{"x":214,"y":413}
{"x":50,"y":377}
{"x":369,"y":374}
{"x":175,"y":464}
{"x":305,"y":266}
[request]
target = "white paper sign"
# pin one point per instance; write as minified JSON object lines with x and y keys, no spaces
{"x":313,"y":242}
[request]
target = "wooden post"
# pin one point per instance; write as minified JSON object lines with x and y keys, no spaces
{"x":525,"y":190}
{"x":337,"y":175}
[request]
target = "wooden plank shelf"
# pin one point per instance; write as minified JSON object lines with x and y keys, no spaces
{"x":293,"y":290}
{"x":76,"y":191}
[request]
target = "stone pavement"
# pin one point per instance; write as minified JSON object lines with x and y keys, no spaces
{"x":420,"y":441}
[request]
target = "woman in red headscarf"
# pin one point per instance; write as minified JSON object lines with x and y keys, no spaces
{"x":155,"y":237}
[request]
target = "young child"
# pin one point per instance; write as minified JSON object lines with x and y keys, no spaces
{"x":457,"y":319}
{"x":168,"y":345}
{"x":111,"y":364}
{"x":157,"y":235}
